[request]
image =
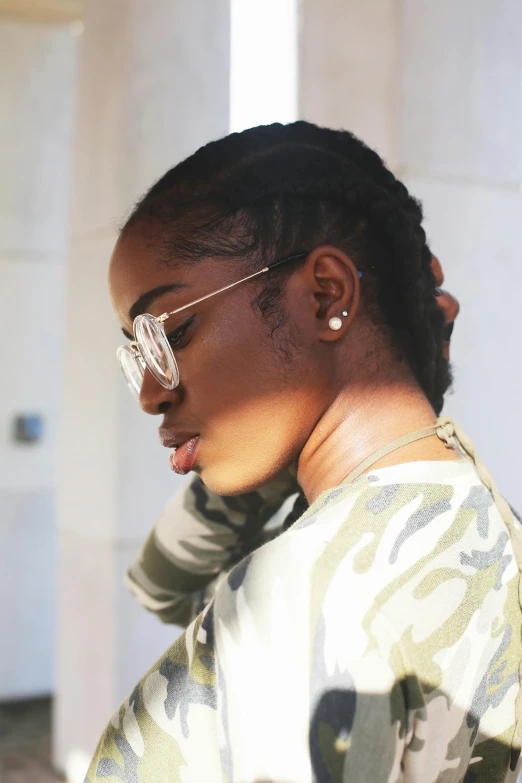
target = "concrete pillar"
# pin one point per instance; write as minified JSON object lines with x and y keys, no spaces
{"x":37,"y":67}
{"x":348,"y":61}
{"x":153,"y":86}
{"x":435,"y":88}
{"x":460,"y":150}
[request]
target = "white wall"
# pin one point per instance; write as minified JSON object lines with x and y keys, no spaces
{"x":460,"y":151}
{"x":435,"y":88}
{"x":37,"y":70}
{"x":153,"y":87}
{"x":348,"y":59}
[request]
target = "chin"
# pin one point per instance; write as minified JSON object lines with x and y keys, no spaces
{"x":231,"y":479}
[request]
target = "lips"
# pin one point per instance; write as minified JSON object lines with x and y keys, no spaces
{"x":183,"y":459}
{"x":185,"y":445}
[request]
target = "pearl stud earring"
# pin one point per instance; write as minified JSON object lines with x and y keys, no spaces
{"x":335,"y":323}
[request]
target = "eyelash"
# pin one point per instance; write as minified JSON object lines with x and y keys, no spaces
{"x":175,"y":337}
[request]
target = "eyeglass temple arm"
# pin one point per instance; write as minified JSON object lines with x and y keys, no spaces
{"x":265,"y":269}
{"x":294,"y":258}
{"x":284,"y":260}
{"x":232,"y":285}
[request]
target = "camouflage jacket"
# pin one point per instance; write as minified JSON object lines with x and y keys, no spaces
{"x":377,"y":638}
{"x":200,"y":536}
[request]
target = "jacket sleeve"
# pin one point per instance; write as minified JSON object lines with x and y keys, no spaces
{"x":197,"y":539}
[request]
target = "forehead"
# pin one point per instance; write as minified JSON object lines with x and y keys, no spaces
{"x":137,"y":267}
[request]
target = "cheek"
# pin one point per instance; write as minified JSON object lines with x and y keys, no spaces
{"x":255,"y":407}
{"x":229,"y":367}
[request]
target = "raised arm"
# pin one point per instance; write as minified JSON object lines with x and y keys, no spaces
{"x":199,"y":537}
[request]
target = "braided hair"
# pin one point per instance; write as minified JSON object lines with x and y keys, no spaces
{"x":279,"y":190}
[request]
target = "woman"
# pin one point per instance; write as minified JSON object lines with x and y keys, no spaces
{"x":379,"y":637}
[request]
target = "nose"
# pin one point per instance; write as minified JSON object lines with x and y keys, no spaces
{"x":155,"y":398}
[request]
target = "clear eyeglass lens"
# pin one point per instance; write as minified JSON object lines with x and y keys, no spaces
{"x":131,"y":368}
{"x":156,"y":350}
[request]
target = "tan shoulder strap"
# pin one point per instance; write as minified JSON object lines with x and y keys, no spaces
{"x":450,"y":432}
{"x":427,"y":432}
{"x":453,"y":436}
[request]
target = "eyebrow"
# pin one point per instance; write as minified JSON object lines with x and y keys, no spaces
{"x":140,"y":305}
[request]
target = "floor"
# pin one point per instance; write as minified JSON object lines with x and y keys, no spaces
{"x":25,"y":742}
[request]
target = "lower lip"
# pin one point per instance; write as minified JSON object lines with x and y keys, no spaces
{"x":184,"y":458}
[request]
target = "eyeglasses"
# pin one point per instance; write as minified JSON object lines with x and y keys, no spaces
{"x":151,"y":349}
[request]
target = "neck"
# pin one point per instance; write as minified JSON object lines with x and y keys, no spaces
{"x":359,"y":423}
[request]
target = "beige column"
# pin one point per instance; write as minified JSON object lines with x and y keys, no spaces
{"x":153,"y":86}
{"x":348,"y":61}
{"x":37,"y":66}
{"x":435,"y":88}
{"x":460,"y":150}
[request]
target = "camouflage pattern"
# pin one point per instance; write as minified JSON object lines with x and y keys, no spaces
{"x":377,"y":639}
{"x":200,"y":536}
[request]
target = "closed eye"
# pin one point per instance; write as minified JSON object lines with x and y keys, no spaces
{"x":178,"y":337}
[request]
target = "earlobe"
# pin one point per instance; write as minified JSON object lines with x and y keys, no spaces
{"x":337,"y":291}
{"x":335,"y":323}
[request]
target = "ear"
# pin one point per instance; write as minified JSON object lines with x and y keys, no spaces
{"x":336,"y":290}
{"x":447,"y":303}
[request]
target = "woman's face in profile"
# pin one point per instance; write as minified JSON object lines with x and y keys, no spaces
{"x":251,"y":403}
{"x":249,"y":394}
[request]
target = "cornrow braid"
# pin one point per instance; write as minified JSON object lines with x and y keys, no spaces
{"x":278,"y":190}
